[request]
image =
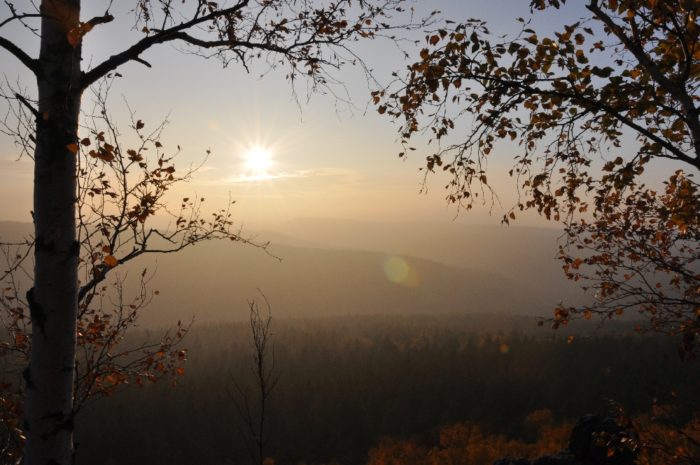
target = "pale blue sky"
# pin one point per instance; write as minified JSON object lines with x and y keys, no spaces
{"x":329,"y":160}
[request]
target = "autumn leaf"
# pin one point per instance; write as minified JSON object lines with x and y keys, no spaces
{"x":20,"y":339}
{"x":73,"y":36}
{"x":72,"y":148}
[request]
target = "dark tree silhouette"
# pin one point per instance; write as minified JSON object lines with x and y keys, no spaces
{"x":253,"y":407}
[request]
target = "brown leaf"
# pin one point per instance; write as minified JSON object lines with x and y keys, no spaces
{"x":73,"y":36}
{"x":111,"y":261}
{"x":72,"y":148}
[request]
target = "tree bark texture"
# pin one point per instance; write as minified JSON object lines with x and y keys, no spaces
{"x":53,"y":300}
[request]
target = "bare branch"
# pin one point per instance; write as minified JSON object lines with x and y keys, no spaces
{"x":163,"y":36}
{"x":31,"y":63}
{"x":18,"y":17}
{"x":29,"y":106}
{"x":254,"y":414}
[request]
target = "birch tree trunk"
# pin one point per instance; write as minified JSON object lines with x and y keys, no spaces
{"x":53,"y":299}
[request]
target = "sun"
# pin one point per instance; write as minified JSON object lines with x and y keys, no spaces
{"x":258,"y":160}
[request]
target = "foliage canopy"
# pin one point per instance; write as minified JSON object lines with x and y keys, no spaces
{"x":589,"y":109}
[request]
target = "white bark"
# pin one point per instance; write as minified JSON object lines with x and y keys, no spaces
{"x":53,"y":300}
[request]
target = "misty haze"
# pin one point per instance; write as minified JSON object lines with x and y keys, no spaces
{"x":350,"y":232}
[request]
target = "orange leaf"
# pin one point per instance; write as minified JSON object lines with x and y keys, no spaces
{"x":72,"y":148}
{"x":20,"y":339}
{"x":110,"y":261}
{"x":73,"y":36}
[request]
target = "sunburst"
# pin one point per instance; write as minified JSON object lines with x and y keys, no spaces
{"x":258,"y":161}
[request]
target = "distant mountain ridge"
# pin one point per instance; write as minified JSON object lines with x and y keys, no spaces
{"x":522,"y":253}
{"x":332,"y":268}
{"x":317,"y":282}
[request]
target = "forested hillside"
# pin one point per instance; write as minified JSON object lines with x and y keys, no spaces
{"x":346,"y":383}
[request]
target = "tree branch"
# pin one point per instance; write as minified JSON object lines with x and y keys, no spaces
{"x":104,"y":19}
{"x":247,"y":44}
{"x":19,"y":18}
{"x":29,"y":106}
{"x":21,"y":55}
{"x":677,"y":91}
{"x":165,"y":35}
{"x":595,"y":105}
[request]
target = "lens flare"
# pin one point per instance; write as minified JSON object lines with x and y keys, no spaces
{"x":399,"y":271}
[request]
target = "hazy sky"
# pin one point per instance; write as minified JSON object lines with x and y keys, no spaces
{"x":327,"y":158}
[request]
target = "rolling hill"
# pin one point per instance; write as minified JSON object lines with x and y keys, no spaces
{"x":332,"y":268}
